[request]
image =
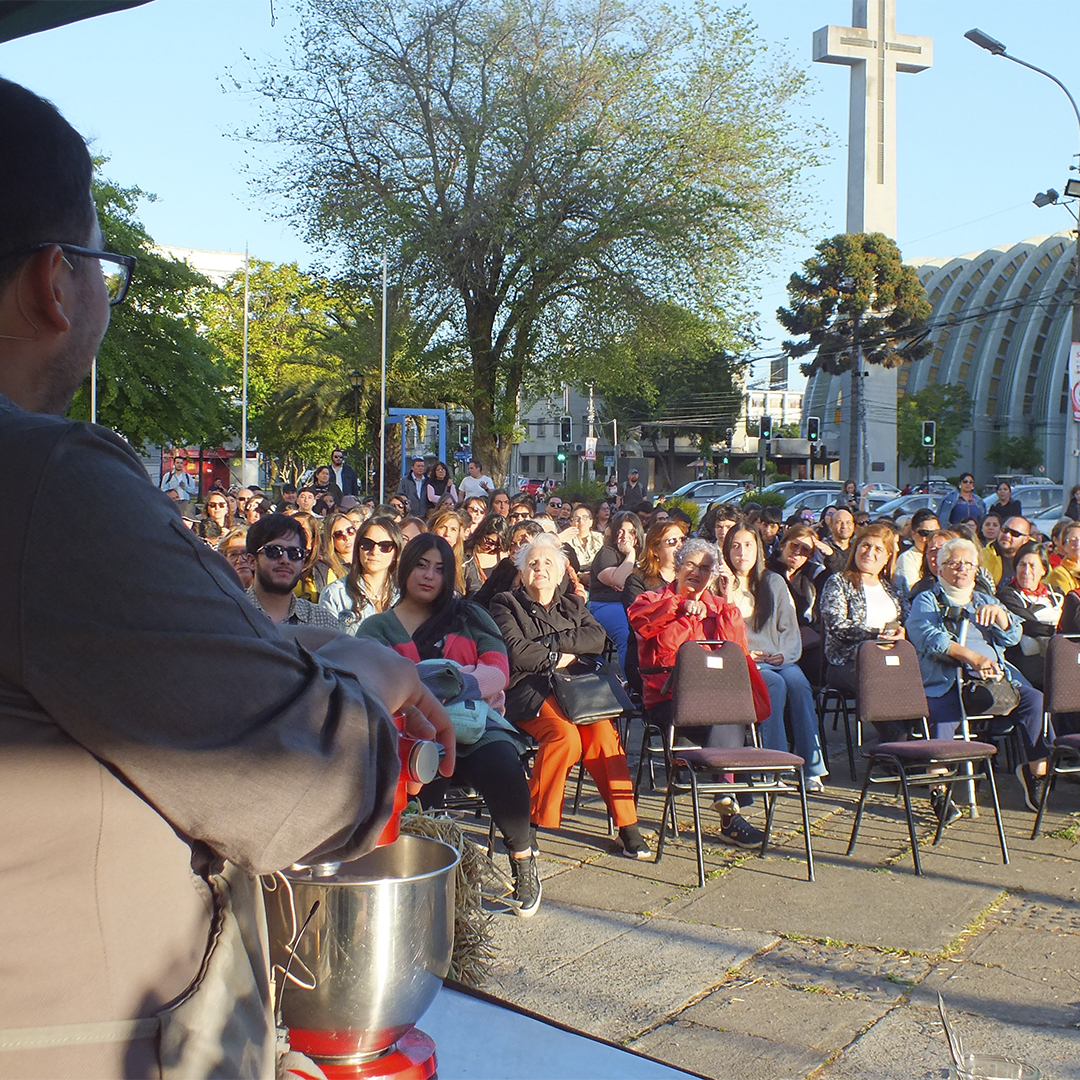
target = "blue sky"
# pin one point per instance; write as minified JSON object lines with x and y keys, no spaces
{"x":978,"y":136}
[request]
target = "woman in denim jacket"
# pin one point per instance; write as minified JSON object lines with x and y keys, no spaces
{"x":936,"y":626}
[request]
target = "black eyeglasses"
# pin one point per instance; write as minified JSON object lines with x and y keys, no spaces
{"x":924,"y":533}
{"x":116,"y":270}
{"x":1012,"y":532}
{"x":369,"y":545}
{"x":277,"y":551}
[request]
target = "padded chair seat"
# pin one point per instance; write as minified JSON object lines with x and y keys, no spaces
{"x":1068,"y":742}
{"x":738,"y":757}
{"x":931,"y":750}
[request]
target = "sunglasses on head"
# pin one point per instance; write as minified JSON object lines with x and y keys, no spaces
{"x":350,"y":531}
{"x":276,"y":551}
{"x":369,"y":545}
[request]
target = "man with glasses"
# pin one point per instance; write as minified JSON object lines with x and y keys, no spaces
{"x":163,"y":742}
{"x":277,"y":547}
{"x":924,"y":523}
{"x":343,"y":475}
{"x":999,"y":556}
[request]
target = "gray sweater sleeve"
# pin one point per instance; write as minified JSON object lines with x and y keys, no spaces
{"x":781,"y":633}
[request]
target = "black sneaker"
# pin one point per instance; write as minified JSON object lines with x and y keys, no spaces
{"x":532,"y":840}
{"x":937,"y":804}
{"x":527,"y":888}
{"x":1032,"y":785}
{"x":633,"y":843}
{"x":738,"y":832}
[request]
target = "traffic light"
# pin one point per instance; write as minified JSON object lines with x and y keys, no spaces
{"x":929,"y":433}
{"x":729,"y":437}
{"x":813,"y":428}
{"x":567,"y":435}
{"x":463,"y":435}
{"x":765,"y":428}
{"x":560,"y":454}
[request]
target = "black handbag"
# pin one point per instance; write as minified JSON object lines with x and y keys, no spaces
{"x":587,"y":692}
{"x":989,"y":697}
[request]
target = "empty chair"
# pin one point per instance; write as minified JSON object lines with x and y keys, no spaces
{"x":1061,"y":694}
{"x":890,"y":689}
{"x":711,"y":688}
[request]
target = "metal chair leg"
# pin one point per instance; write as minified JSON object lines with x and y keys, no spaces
{"x":697,"y":829}
{"x":1050,"y":777}
{"x":910,"y":820}
{"x":997,"y":810}
{"x":861,"y":806}
{"x":806,"y":826}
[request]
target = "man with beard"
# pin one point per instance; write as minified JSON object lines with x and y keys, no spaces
{"x":276,"y":546}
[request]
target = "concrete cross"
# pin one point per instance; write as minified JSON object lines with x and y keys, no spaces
{"x":875,"y":53}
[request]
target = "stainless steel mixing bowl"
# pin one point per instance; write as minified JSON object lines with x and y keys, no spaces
{"x":377,"y":948}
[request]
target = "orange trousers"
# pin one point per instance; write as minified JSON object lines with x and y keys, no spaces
{"x":562,"y":744}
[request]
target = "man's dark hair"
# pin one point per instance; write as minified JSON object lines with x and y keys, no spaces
{"x":921,"y":517}
{"x":45,"y":173}
{"x":525,"y":500}
{"x":286,"y":488}
{"x":476,"y":462}
{"x":270,"y":528}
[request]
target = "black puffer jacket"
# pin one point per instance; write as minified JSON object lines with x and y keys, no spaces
{"x":527,"y":627}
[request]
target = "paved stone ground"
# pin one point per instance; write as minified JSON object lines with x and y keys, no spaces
{"x":762,"y":975}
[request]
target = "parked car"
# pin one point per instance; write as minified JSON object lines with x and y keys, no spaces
{"x":815,"y":500}
{"x":906,"y":505}
{"x":1037,"y":499}
{"x":788,"y":488}
{"x":704,"y":492}
{"x":1046,"y":520}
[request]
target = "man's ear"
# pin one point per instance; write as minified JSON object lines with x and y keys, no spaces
{"x":46,"y":291}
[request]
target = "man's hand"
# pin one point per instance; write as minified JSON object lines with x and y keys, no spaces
{"x":394,"y":681}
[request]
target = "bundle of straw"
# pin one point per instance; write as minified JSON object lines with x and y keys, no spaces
{"x":473,"y":952}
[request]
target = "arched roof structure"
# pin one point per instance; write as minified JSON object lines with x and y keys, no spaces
{"x":1001,"y":326}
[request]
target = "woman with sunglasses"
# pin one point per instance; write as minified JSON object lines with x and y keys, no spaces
{"x":601,"y":512}
{"x":772,"y":632}
{"x":368,"y":588}
{"x":655,"y":568}
{"x":476,"y":507}
{"x":962,"y":504}
{"x":483,"y":550}
{"x":217,"y":518}
{"x":336,"y":551}
{"x":428,"y":622}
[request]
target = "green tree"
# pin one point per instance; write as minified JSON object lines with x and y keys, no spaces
{"x":157,"y":379}
{"x":949,"y":406}
{"x":855,"y":302}
{"x":528,"y":164}
{"x":1020,"y":453}
{"x":676,"y":383}
{"x":306,"y":337}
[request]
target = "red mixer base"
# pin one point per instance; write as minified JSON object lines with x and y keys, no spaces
{"x":411,"y":1058}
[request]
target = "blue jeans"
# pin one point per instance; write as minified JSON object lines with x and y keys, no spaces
{"x":612,"y":617}
{"x":801,"y":715}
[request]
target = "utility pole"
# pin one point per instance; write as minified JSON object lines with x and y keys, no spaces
{"x":592,"y":433}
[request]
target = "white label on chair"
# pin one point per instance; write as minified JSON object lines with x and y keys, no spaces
{"x":892,"y":661}
{"x":718,"y":661}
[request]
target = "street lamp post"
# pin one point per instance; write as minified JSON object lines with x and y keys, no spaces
{"x":996,"y":48}
{"x":356,"y":380}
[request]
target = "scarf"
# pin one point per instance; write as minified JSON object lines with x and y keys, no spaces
{"x":1041,"y":591}
{"x":957,"y":597}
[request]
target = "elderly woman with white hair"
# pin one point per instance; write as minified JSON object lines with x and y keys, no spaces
{"x":955,"y":624}
{"x":537,"y":619}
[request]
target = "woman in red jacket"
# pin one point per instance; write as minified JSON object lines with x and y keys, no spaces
{"x":686,"y":610}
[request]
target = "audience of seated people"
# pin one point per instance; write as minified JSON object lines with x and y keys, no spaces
{"x":985,"y":593}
